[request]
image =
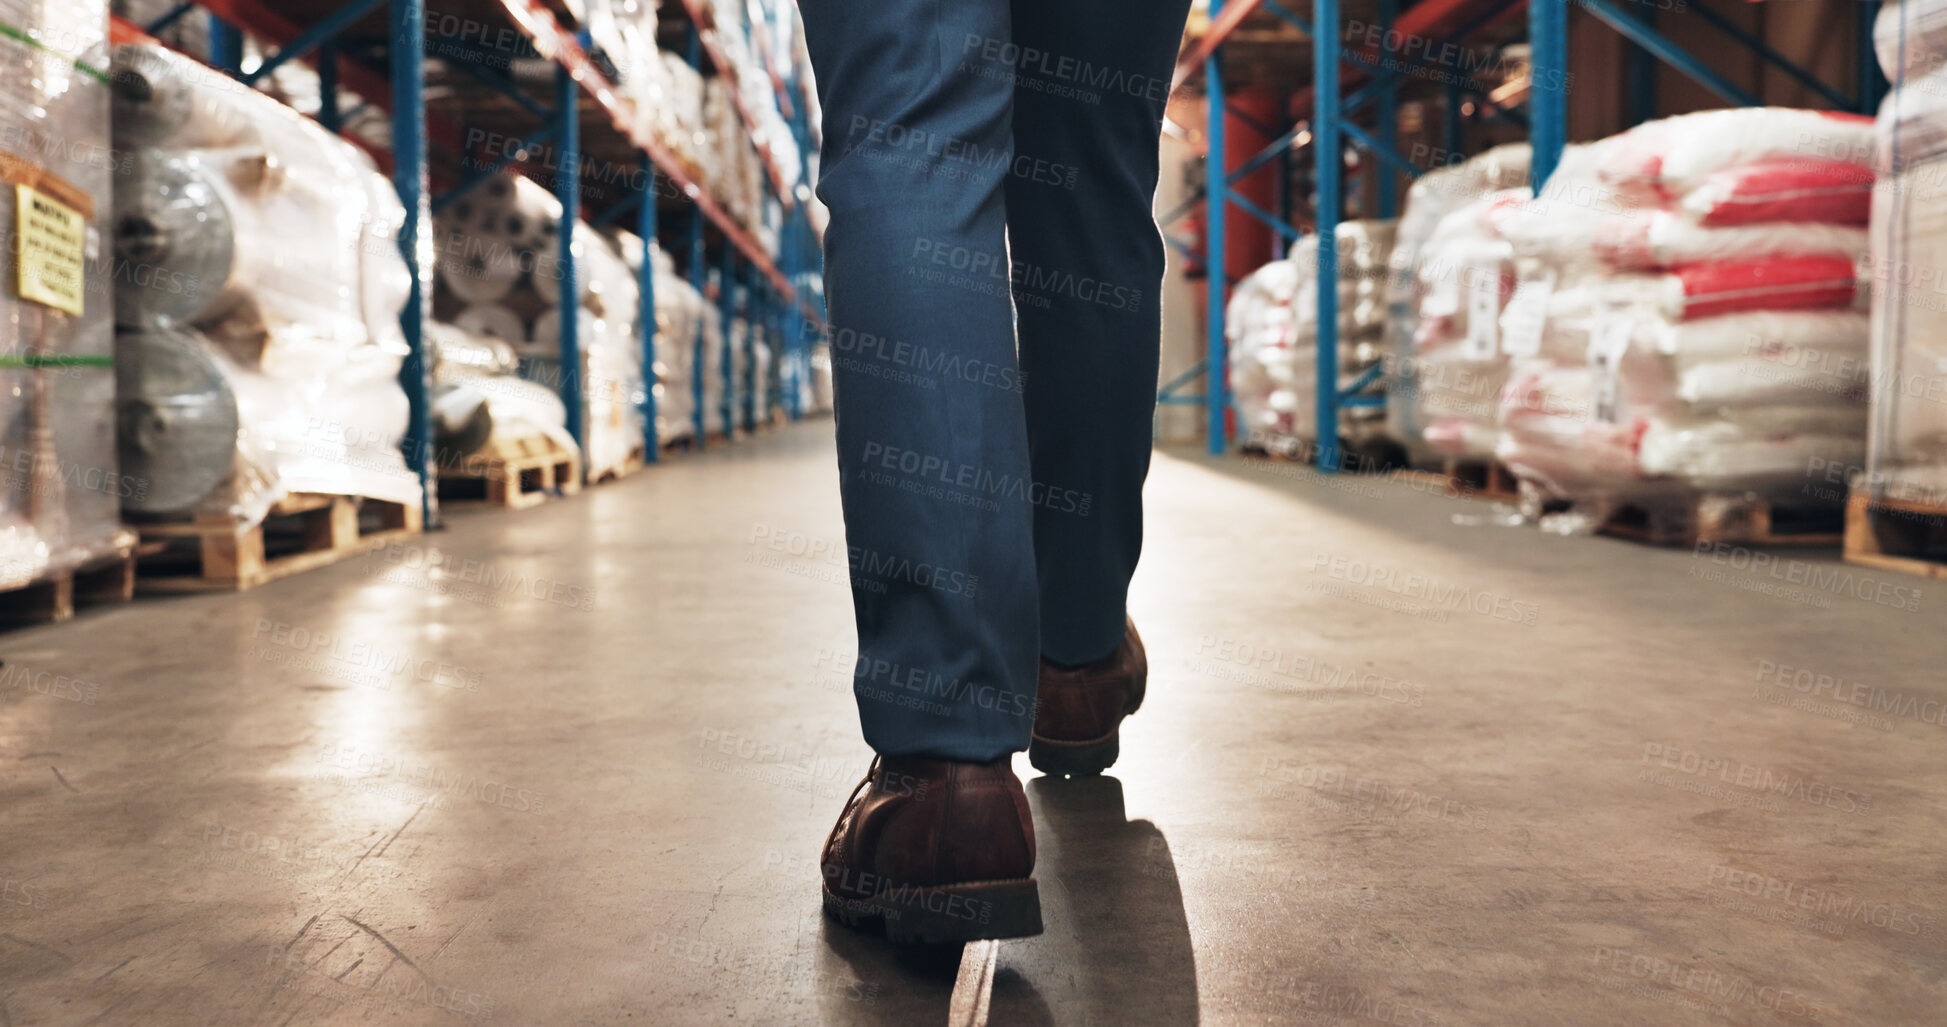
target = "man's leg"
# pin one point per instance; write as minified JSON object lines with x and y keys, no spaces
{"x":1092,"y":78}
{"x":932,"y":444}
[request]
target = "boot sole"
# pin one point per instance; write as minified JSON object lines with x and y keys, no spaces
{"x":1074,"y":759}
{"x":1080,"y":759}
{"x":953,"y":913}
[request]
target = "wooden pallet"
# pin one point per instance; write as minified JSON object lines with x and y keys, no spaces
{"x":303,"y":531}
{"x":1470,"y":477}
{"x":515,"y":474}
{"x":1729,"y":520}
{"x":53,"y":598}
{"x":1353,"y":459}
{"x":1896,"y":535}
{"x":630,"y":464}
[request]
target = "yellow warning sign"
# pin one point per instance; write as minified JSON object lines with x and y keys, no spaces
{"x":53,"y":246}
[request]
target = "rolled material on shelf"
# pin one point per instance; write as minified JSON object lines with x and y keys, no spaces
{"x":220,"y":212}
{"x":197,"y":250}
{"x":174,"y":214}
{"x":506,"y":209}
{"x":177,"y":415}
{"x":161,"y":101}
{"x":480,"y":276}
{"x":284,"y":240}
{"x":480,"y":398}
{"x":493,"y":321}
{"x":212,"y":435}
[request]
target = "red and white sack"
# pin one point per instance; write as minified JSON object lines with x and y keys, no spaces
{"x":1708,"y":289}
{"x":1661,"y":239}
{"x":1796,"y":189}
{"x":1672,"y":156}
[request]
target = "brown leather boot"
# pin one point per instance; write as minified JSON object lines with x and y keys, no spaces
{"x":1081,"y":709}
{"x":937,"y":851}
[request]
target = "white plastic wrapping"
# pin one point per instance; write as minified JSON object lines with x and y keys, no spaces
{"x":63,"y":484}
{"x":1909,"y":295}
{"x":1271,"y":325}
{"x":1654,"y":359}
{"x":1447,"y":379}
{"x":509,"y":220}
{"x":1910,"y":37}
{"x":298,"y":344}
{"x":481,"y":400}
{"x":1430,"y":200}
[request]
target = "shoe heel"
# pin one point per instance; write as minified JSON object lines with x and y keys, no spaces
{"x":961,"y":912}
{"x":854,"y":913}
{"x":1056,"y":759}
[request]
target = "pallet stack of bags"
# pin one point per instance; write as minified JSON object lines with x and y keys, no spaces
{"x":730,"y":165}
{"x":753,"y":54}
{"x":1271,"y":327}
{"x":60,"y":507}
{"x":257,"y":294}
{"x":498,"y":272}
{"x":1684,"y":321}
{"x":1909,"y":258}
{"x":673,"y":112}
{"x":1444,"y":366}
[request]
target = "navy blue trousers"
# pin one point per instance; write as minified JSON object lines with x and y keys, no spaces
{"x":992,"y":271}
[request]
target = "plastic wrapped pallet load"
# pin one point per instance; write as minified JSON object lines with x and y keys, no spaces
{"x":510,"y":222}
{"x":479,"y":399}
{"x":1656,"y":357}
{"x":250,"y":368}
{"x":611,"y":354}
{"x":1271,"y":324}
{"x":1432,"y":198}
{"x":678,"y":307}
{"x":60,"y":507}
{"x":1450,"y":375}
{"x":1908,"y":461}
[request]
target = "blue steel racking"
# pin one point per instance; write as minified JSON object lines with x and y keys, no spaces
{"x":327,"y":36}
{"x":1448,"y":22}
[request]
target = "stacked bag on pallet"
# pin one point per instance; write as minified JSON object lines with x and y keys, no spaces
{"x":60,"y":507}
{"x":481,"y":405}
{"x":250,"y":367}
{"x":1271,"y":327}
{"x":678,"y":307}
{"x":1444,"y":373}
{"x":752,"y":57}
{"x":1684,"y":315}
{"x":497,"y":257}
{"x":696,"y":118}
{"x":1909,"y":260}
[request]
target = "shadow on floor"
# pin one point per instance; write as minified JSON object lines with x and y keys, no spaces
{"x":1116,"y":947}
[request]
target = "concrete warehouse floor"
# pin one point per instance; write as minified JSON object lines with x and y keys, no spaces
{"x":1571,"y":795}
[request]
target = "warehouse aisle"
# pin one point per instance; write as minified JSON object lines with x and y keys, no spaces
{"x":573,"y":765}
